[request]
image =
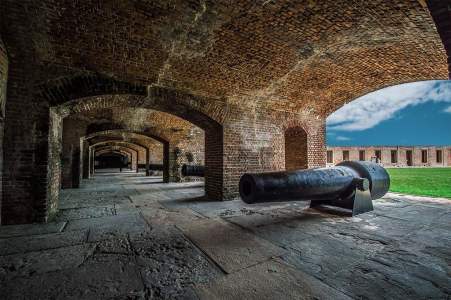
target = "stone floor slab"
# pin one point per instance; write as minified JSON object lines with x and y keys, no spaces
{"x":85,"y":213}
{"x":39,"y":262}
{"x":268,"y":280}
{"x":163,"y":239}
{"x":30,"y":229}
{"x":108,"y":279}
{"x":31,"y":243}
{"x":231,"y":247}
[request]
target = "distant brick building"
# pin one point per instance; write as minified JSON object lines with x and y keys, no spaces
{"x":393,"y":156}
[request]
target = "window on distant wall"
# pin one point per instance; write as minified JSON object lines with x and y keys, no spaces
{"x":362,"y":155}
{"x":394,"y":156}
{"x":330,"y":156}
{"x":439,"y":156}
{"x":424,"y":156}
{"x":345,"y":155}
{"x":378,"y":155}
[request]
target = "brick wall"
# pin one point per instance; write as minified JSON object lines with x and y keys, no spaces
{"x":54,"y":163}
{"x":258,"y":63}
{"x":254,"y":141}
{"x":441,"y":13}
{"x":71,"y":155}
{"x":191,"y":151}
{"x":400,"y":155}
{"x":3,"y":80}
{"x":296,"y":149}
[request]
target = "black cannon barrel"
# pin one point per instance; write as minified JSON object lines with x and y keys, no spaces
{"x":189,"y":170}
{"x":314,"y":184}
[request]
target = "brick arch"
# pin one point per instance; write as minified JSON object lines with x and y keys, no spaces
{"x":128,"y":151}
{"x":124,"y":147}
{"x":122,"y":133}
{"x":111,"y":152}
{"x":130,"y":144}
{"x":69,"y":95}
{"x":114,"y":152}
{"x":119,"y":152}
{"x":60,"y":90}
{"x":110,"y":142}
{"x":118,"y":149}
{"x":116,"y":132}
{"x":115,"y":129}
{"x":441,"y":13}
{"x":202,"y":112}
{"x":75,"y":93}
{"x":127,"y":144}
{"x":95,"y":127}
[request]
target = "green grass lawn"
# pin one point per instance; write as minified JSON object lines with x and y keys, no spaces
{"x":435,"y":182}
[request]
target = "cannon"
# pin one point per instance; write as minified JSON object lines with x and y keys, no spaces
{"x":351,"y":185}
{"x":188,"y":170}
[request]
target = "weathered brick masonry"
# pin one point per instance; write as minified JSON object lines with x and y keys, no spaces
{"x":394,"y":156}
{"x":247,"y":76}
{"x":3,"y":80}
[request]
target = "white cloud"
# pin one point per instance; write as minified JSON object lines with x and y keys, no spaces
{"x":447,"y":110}
{"x":374,"y":108}
{"x":342,"y":138}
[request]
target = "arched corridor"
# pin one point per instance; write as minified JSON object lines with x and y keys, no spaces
{"x":125,"y":234}
{"x":104,"y":103}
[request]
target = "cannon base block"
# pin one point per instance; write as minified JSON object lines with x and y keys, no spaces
{"x":360,"y":202}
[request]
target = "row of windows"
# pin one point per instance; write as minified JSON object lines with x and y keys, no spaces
{"x":393,"y":156}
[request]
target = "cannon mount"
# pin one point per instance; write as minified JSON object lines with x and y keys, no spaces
{"x":350,"y":185}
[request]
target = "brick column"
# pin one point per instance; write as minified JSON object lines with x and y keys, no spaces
{"x":72,"y":131}
{"x":166,"y":151}
{"x":252,"y":142}
{"x":147,"y":162}
{"x":3,"y":83}
{"x":174,"y":166}
{"x":85,"y":159}
{"x":316,"y":144}
{"x":214,"y":163}
{"x":91,"y":161}
{"x":26,"y":150}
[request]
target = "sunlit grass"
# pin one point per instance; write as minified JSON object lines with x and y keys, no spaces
{"x":435,"y":182}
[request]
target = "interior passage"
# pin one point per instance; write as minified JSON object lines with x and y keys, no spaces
{"x":125,"y":234}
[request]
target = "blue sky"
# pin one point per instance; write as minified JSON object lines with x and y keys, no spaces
{"x":409,"y":114}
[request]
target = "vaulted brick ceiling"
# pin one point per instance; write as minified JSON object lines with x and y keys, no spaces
{"x":165,"y":126}
{"x":289,"y":55}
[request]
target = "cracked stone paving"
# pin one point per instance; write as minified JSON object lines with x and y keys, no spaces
{"x":128,"y":236}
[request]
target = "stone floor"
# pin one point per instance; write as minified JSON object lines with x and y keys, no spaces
{"x":127,"y":236}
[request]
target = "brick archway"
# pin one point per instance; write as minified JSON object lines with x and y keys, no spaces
{"x":132,"y":154}
{"x":119,"y":152}
{"x":125,"y":134}
{"x":232,"y":76}
{"x":63,"y":93}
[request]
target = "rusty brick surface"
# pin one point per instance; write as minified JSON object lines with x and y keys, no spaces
{"x":244,"y":73}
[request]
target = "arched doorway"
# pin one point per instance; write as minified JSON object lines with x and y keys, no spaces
{"x":296,"y":153}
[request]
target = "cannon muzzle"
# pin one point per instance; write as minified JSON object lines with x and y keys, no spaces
{"x":350,"y":184}
{"x":188,"y":170}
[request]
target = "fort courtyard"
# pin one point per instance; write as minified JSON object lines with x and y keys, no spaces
{"x":177,"y":150}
